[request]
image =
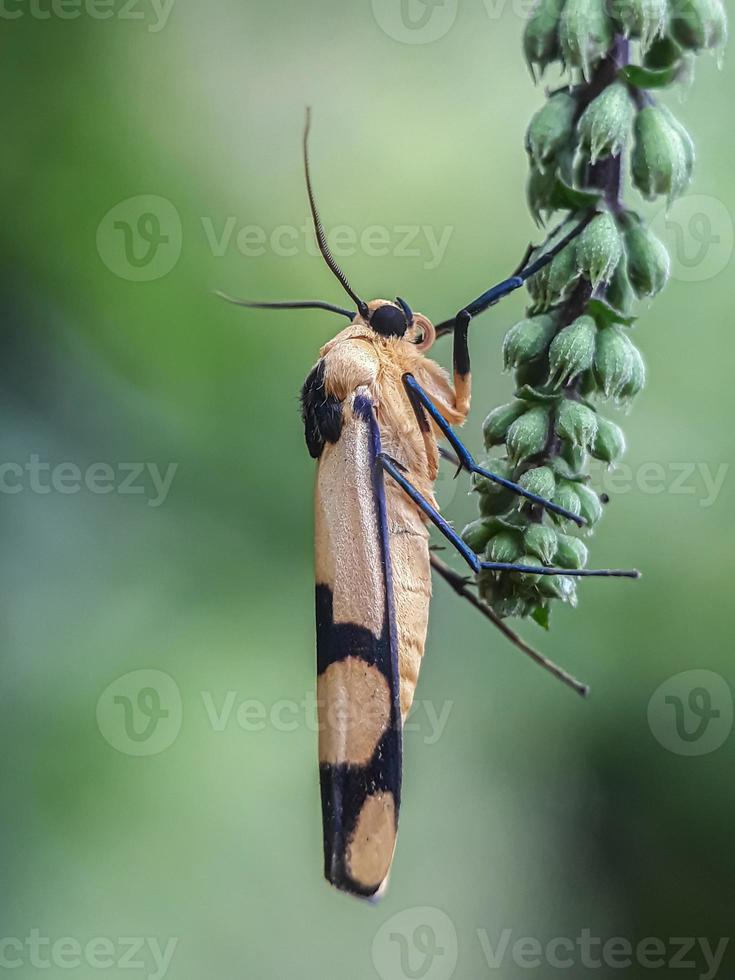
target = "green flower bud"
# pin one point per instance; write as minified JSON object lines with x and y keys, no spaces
{"x":477,"y":533}
{"x":541,"y":36}
{"x":504,"y":546}
{"x":496,"y":425}
{"x":661,"y":160}
{"x":610,"y":442}
{"x":613,"y":361}
{"x":605,"y":124}
{"x":585,"y":34}
{"x":645,"y":19}
{"x":566,"y":496}
{"x":558,"y":587}
{"x":648,"y":261}
{"x":572,"y":461}
{"x":527,"y":578}
{"x":538,"y":285}
{"x":577,"y":423}
{"x":690,"y":152}
{"x":482,"y":485}
{"x":527,"y":340}
{"x":572,"y":351}
{"x":663,"y":53}
{"x":563,"y":273}
{"x":528,"y":434}
{"x":637,"y":379}
{"x":620,"y":293}
{"x":508,"y":606}
{"x":590,"y":506}
{"x":495,"y":499}
{"x":494,"y":504}
{"x":551,"y":129}
{"x":599,"y":248}
{"x":571,"y":552}
{"x":540,"y":540}
{"x":698,"y":24}
{"x":539,"y":193}
{"x":533,"y":374}
{"x":540,"y":480}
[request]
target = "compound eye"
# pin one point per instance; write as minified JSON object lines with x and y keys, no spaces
{"x":389,"y":321}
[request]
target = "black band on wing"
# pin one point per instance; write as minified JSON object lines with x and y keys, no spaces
{"x":322,"y":413}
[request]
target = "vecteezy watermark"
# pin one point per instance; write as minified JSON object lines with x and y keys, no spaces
{"x":155,"y":13}
{"x":415,"y":21}
{"x":691,"y":713}
{"x":422,"y":943}
{"x":702,"y":480}
{"x":140,"y":713}
{"x":593,"y":952}
{"x":416,"y":944}
{"x":42,"y":477}
{"x":229,"y":710}
{"x":287,"y":241}
{"x":425,"y":21}
{"x":140,"y":238}
{"x":142,"y":953}
{"x":699,"y":233}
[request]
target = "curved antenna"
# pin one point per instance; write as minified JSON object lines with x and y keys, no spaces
{"x":407,"y":312}
{"x":321,"y":238}
{"x":307,"y":304}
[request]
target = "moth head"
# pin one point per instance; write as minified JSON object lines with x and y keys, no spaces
{"x":385,"y":319}
{"x":397,"y":320}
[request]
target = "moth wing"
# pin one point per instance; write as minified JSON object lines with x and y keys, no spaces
{"x":360,"y":729}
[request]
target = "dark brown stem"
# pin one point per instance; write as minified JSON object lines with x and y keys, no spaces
{"x":607,"y":175}
{"x":461,"y":587}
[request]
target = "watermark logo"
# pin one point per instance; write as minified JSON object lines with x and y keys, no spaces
{"x":702,"y":480}
{"x":699,"y":234}
{"x":426,"y":242}
{"x":145,"y":954}
{"x":154,"y":13}
{"x":416,"y":944}
{"x":140,"y":713}
{"x":692,"y":713}
{"x":140,"y":239}
{"x":147,"y":480}
{"x":588,"y":951}
{"x":415,"y":21}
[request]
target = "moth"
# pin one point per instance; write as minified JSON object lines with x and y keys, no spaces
{"x":374,"y":408}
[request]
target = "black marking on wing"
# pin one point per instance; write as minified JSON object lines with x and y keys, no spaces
{"x":335,"y":641}
{"x":344,"y":788}
{"x":322,"y":413}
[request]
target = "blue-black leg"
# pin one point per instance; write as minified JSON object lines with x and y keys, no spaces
{"x":397,"y":472}
{"x":417,"y":394}
{"x":491,"y":296}
{"x":393,"y":469}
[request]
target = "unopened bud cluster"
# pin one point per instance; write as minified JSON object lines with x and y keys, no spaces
{"x":573,"y":356}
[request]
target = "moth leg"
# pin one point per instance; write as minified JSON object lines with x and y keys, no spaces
{"x":459,"y":325}
{"x":419,"y":398}
{"x":396,"y":471}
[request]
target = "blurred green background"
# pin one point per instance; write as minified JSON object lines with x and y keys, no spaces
{"x":528,"y":809}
